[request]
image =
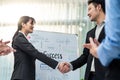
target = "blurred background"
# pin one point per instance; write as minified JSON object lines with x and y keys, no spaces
{"x":63,"y":16}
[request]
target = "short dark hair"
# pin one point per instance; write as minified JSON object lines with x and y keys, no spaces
{"x":101,"y":2}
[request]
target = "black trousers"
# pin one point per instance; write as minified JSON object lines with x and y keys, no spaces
{"x":92,"y":76}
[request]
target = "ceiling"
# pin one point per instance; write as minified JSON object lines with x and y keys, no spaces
{"x":37,"y":1}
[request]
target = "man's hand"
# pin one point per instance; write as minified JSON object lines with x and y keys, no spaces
{"x":64,"y":67}
{"x":92,"y":46}
{"x":5,"y":49}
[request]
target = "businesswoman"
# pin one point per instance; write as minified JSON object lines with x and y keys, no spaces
{"x":26,"y":54}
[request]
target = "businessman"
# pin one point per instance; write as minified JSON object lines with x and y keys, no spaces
{"x":94,"y":69}
{"x":109,"y":50}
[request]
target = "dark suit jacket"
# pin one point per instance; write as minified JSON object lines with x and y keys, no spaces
{"x":86,"y":57}
{"x":24,"y":59}
{"x":113,"y":70}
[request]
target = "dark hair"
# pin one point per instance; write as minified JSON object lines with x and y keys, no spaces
{"x":23,"y":19}
{"x":96,"y":2}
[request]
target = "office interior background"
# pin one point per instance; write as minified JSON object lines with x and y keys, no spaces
{"x":63,"y":16}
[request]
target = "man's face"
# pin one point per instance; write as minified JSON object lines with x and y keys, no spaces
{"x":93,"y":12}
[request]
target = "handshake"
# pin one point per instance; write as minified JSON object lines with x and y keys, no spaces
{"x":64,"y":67}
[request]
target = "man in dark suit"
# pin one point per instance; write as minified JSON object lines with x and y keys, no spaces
{"x":108,"y":51}
{"x":94,"y":69}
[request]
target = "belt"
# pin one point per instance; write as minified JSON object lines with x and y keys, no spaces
{"x":92,"y":73}
{"x":92,"y":76}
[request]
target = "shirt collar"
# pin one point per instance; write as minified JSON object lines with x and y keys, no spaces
{"x":101,"y":24}
{"x":23,"y":34}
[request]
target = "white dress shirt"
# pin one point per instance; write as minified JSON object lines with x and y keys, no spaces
{"x":97,"y":33}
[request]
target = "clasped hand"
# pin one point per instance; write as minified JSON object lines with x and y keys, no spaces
{"x":64,"y":67}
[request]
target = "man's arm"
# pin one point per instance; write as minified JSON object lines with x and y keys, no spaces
{"x":110,"y":47}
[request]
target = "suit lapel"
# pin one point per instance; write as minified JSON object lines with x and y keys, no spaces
{"x":93,"y":32}
{"x":102,"y":35}
{"x":93,"y":36}
{"x":21,"y":34}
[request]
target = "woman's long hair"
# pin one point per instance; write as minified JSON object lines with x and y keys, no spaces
{"x":23,"y":19}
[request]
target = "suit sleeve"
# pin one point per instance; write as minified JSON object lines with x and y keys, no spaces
{"x":29,"y":49}
{"x":110,"y":47}
{"x":83,"y":58}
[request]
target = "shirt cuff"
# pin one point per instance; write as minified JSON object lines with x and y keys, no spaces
{"x":71,"y":67}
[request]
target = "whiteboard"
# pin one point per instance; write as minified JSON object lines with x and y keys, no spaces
{"x":59,"y":46}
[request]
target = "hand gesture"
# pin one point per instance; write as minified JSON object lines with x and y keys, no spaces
{"x":64,"y":67}
{"x":4,"y":48}
{"x":93,"y":45}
